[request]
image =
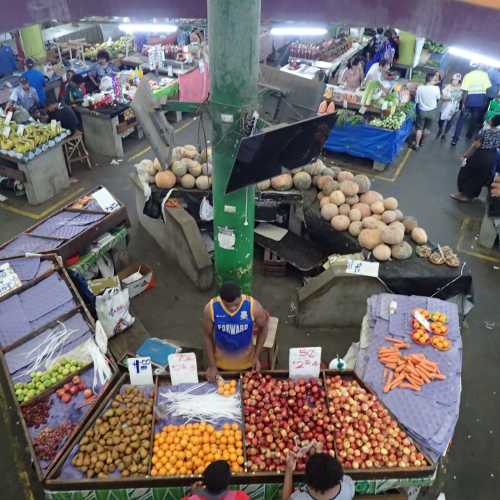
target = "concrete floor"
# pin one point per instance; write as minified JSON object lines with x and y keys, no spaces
{"x":173,"y":309}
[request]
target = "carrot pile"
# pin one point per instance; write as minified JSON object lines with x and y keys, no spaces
{"x":408,"y":372}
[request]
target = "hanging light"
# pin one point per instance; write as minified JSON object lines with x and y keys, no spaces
{"x":298,"y":31}
{"x":474,"y":57}
{"x":147,"y":28}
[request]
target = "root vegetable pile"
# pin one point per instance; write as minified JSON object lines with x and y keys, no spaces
{"x":189,"y":449}
{"x":366,"y":436}
{"x":36,"y":414}
{"x":283,"y":415}
{"x":49,"y":440}
{"x":120,"y":439}
{"x":407,"y":372}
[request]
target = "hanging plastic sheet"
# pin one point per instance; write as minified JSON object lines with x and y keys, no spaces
{"x":377,"y":144}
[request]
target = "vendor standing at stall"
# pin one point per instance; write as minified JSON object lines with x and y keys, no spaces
{"x":36,"y":79}
{"x":101,"y":69}
{"x":229,"y":322}
{"x":353,"y":75}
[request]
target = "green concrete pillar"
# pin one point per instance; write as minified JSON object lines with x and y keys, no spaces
{"x":233,"y":37}
{"x":32,"y":39}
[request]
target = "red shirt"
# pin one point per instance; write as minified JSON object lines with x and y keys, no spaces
{"x":230,"y":495}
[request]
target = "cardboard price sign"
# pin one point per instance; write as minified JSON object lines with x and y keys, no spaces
{"x":362,"y":268}
{"x":183,"y":368}
{"x":304,"y":362}
{"x":140,"y":371}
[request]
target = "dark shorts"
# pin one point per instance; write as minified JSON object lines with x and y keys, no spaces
{"x":424,"y":119}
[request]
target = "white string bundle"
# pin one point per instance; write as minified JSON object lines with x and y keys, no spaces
{"x":44,"y":355}
{"x":209,"y":407}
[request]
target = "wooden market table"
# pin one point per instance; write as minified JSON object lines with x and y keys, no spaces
{"x":106,"y":128}
{"x":43,"y":176}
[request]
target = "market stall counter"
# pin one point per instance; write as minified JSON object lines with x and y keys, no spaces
{"x":105,"y":128}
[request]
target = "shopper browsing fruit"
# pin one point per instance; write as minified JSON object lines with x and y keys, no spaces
{"x":215,"y":484}
{"x":229,"y":322}
{"x":324,"y":478}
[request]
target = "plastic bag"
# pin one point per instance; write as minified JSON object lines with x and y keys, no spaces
{"x":112,"y":308}
{"x":206,"y":210}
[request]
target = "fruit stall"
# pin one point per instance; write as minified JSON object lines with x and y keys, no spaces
{"x":33,"y":155}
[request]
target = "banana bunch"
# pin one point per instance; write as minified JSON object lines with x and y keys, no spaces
{"x":6,"y":144}
{"x":24,"y":145}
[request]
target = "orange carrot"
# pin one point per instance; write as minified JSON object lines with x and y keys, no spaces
{"x":387,"y":386}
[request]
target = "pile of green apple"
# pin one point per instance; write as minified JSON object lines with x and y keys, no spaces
{"x":41,"y":381}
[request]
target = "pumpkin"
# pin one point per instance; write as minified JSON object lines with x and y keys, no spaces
{"x":371,"y":222}
{"x":344,"y":209}
{"x":330,"y":186}
{"x":206,"y":169}
{"x":194,"y":169}
{"x":191,"y":152}
{"x":321,"y":195}
{"x":302,"y":181}
{"x":328,"y":171}
{"x":369,"y":238}
{"x":323,"y":106}
{"x":148,"y":166}
{"x":370,"y":197}
{"x":391,"y":203}
{"x":354,"y":215}
{"x":203,"y":182}
{"x":188,"y":181}
{"x":392,"y":235}
{"x":282,"y":182}
{"x":410,"y":223}
{"x":389,"y":216}
{"x":345,"y":175}
{"x":382,"y":252}
{"x":329,"y":211}
{"x":364,"y":209}
{"x":399,"y":214}
{"x":156,"y":165}
{"x":377,"y":207}
{"x":355,"y":228}
{"x":324,"y":201}
{"x":337,"y":197}
{"x":206,"y":155}
{"x":336,"y":171}
{"x":402,"y":251}
{"x":314,"y":168}
{"x":322,"y":180}
{"x":296,"y":170}
{"x":352,"y":200}
{"x":177,"y":153}
{"x":349,"y":188}
{"x":263,"y":185}
{"x":179,"y":168}
{"x":397,"y":224}
{"x":165,"y":179}
{"x":340,"y":222}
{"x":418,"y":235}
{"x":363,"y":182}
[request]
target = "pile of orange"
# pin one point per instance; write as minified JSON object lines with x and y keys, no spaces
{"x":188,"y":449}
{"x":226,"y":388}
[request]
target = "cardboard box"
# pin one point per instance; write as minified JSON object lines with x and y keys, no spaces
{"x":136,"y":278}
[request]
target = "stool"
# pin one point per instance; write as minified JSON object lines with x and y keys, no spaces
{"x":75,"y":150}
{"x":273,"y":263}
{"x":269,"y":354}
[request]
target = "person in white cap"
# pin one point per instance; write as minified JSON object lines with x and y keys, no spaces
{"x":451,"y":98}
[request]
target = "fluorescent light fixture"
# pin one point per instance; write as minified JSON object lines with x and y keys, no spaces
{"x":474,"y":57}
{"x":147,"y":28}
{"x":298,"y":31}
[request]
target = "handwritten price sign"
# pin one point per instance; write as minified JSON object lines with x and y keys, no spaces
{"x":304,"y":362}
{"x":362,"y":268}
{"x":183,"y":368}
{"x":140,"y":371}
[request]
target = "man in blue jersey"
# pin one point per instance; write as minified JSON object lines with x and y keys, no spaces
{"x":229,"y":322}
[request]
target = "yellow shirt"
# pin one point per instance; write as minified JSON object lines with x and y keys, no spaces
{"x":476,"y":82}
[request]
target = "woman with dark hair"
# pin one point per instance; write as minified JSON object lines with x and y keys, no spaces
{"x":353,"y":75}
{"x":101,"y":69}
{"x":481,"y":158}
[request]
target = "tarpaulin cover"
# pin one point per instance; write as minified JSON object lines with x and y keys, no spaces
{"x":66,"y":225}
{"x":73,"y":412}
{"x":33,"y":308}
{"x":21,"y":357}
{"x":69,"y":471}
{"x":377,"y":144}
{"x":430,"y":416}
{"x":29,"y":268}
{"x":194,"y":86}
{"x":25,"y":243}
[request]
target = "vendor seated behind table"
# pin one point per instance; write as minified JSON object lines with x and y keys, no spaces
{"x":377,"y":71}
{"x":26,"y":96}
{"x":36,"y":79}
{"x":63,"y":114}
{"x":73,"y":93}
{"x":229,"y":322}
{"x":102,"y":68}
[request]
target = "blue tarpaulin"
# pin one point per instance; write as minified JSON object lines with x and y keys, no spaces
{"x":378,"y":144}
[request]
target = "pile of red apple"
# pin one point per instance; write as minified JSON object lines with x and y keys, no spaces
{"x":366,"y":436}
{"x":68,"y":391}
{"x":283,"y":415}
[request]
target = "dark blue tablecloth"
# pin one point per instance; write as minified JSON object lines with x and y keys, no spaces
{"x":378,"y":144}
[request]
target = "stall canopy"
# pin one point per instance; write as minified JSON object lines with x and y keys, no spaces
{"x":471,"y":24}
